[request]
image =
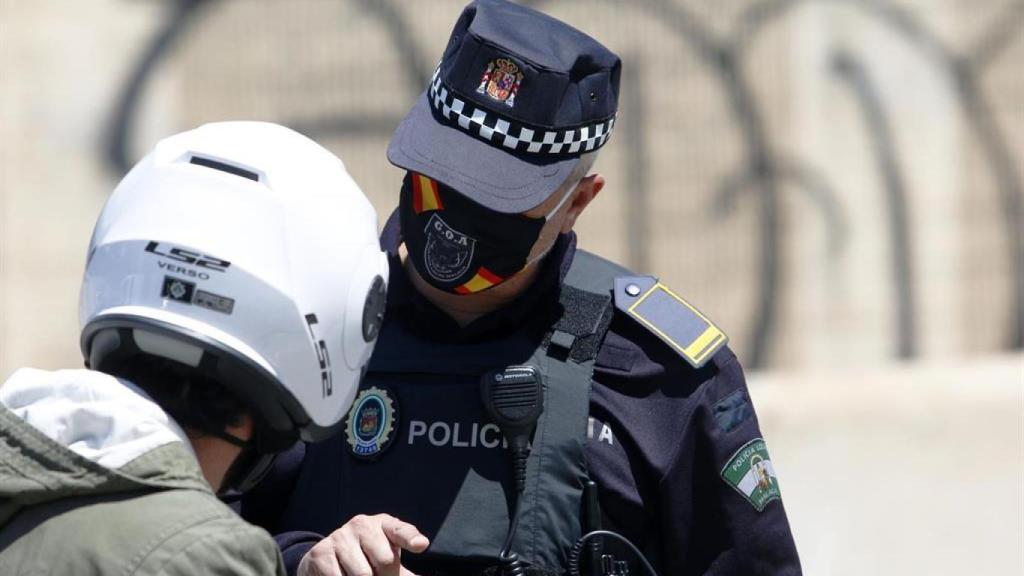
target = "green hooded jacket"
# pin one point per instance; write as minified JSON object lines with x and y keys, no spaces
{"x":64,"y":514}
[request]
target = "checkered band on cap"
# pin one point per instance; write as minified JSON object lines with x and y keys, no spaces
{"x":512,"y":135}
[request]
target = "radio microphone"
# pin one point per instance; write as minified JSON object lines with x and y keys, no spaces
{"x":514,"y":399}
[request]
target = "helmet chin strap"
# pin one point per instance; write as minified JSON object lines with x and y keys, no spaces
{"x":232,"y":439}
{"x":238,"y":476}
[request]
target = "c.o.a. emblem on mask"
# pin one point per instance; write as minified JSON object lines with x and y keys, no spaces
{"x":448,"y":252}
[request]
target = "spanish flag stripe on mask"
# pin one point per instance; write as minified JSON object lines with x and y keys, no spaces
{"x":482,"y":280}
{"x":425,"y":196}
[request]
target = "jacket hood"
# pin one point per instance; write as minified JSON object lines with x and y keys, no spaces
{"x":78,"y":432}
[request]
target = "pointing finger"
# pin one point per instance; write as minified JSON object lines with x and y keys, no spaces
{"x":404,"y":534}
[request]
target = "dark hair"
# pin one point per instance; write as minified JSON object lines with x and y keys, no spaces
{"x":195,"y":401}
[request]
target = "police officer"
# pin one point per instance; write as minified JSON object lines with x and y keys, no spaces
{"x":640,"y":394}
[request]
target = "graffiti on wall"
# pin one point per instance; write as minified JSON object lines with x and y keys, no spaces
{"x":765,"y":172}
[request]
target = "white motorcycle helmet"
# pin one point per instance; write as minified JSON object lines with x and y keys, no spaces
{"x":246,"y":251}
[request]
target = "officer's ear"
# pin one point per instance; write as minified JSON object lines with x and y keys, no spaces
{"x":585,"y":192}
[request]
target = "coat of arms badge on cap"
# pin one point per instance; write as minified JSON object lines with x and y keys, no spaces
{"x":501,"y":81}
{"x":517,"y":98}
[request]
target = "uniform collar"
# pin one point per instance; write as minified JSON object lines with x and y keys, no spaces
{"x":406,"y":304}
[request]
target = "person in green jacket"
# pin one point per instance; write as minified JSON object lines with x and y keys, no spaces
{"x":217,"y":330}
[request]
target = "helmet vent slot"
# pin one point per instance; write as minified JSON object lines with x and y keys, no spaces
{"x":214,"y":164}
{"x":165,"y":347}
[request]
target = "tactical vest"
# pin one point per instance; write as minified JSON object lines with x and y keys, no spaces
{"x":418,"y":444}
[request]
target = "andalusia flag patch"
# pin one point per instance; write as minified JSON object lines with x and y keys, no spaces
{"x":751,"y":473}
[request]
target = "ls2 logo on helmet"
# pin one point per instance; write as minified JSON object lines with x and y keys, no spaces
{"x":188,"y":257}
{"x":371,"y":423}
{"x":448,"y":252}
{"x":320,"y":347}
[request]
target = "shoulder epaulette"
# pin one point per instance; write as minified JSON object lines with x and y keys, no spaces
{"x":669,"y":317}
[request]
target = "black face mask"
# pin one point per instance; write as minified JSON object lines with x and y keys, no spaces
{"x":458,"y":245}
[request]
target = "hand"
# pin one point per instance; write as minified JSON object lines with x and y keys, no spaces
{"x":364,"y":546}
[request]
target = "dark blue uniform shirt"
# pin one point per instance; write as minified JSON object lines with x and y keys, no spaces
{"x":660,"y":437}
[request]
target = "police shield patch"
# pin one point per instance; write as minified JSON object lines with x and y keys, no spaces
{"x":448,"y":252}
{"x":371,"y":422}
{"x":750,"y":472}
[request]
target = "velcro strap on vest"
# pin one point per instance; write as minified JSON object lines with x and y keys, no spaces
{"x":578,"y":332}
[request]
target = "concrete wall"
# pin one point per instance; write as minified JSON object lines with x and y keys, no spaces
{"x":756,"y":185}
{"x":906,"y":469}
{"x":61,"y":64}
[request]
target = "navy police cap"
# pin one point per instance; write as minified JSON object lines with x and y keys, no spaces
{"x":517,"y":97}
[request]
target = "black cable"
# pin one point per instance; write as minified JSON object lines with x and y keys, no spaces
{"x":507,"y":547}
{"x":512,"y":565}
{"x":577,"y":549}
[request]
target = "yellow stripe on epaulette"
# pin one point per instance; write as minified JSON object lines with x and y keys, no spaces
{"x":669,"y":317}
